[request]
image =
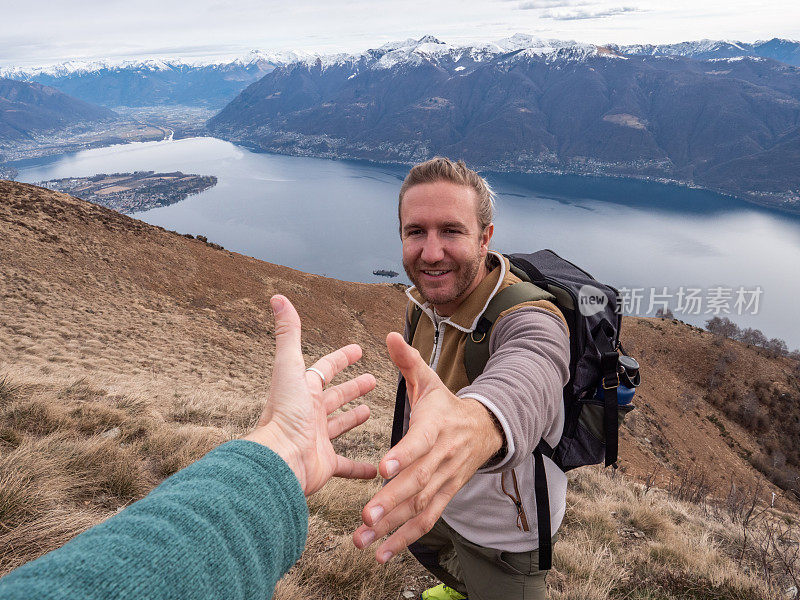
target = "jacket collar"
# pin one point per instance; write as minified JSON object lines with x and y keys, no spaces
{"x":466,"y":316}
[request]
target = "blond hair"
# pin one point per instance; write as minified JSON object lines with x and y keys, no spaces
{"x":440,"y":168}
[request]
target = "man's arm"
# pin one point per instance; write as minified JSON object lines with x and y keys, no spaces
{"x":450,"y":438}
{"x":522,"y":384}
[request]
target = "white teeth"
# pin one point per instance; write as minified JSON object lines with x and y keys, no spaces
{"x":435,"y":273}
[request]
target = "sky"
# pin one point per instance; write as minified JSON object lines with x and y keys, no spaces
{"x":39,"y":32}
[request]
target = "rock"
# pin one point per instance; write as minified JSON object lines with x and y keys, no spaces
{"x":409,"y":594}
{"x":112,"y":433}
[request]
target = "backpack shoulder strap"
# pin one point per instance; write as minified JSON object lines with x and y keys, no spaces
{"x":400,"y":397}
{"x":476,"y":350}
{"x":416,"y":313}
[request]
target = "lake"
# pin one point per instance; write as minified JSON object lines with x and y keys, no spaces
{"x":339,"y":219}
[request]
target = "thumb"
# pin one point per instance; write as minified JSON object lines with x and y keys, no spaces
{"x":415,"y":370}
{"x":288,"y":355}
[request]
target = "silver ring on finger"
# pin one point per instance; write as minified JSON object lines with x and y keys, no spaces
{"x":318,"y":372}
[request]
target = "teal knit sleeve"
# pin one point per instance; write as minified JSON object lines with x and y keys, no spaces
{"x":228,"y":526}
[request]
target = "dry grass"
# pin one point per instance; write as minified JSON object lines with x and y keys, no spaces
{"x":332,"y":568}
{"x":620,"y":540}
{"x":127,"y":352}
{"x":172,"y":449}
{"x":72,"y":455}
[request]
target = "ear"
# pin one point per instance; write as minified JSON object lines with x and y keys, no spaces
{"x":486,"y":237}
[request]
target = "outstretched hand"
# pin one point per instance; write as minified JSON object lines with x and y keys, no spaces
{"x":295,"y":422}
{"x":448,"y":440}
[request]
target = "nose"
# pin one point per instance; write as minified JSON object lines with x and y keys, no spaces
{"x":432,"y":250}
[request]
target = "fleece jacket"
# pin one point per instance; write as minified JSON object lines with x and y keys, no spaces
{"x":522,"y":386}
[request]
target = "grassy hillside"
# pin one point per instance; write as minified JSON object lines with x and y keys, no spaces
{"x":127,"y":351}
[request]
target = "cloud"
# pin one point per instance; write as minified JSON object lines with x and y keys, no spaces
{"x":578,"y":15}
{"x":538,"y":4}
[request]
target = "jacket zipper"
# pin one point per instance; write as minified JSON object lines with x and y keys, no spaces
{"x":435,"y":356}
{"x":522,"y":519}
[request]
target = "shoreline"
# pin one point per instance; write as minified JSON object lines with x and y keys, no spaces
{"x":555,"y":172}
{"x":658,"y":182}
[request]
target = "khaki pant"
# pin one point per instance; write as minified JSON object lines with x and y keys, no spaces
{"x":477,"y":572}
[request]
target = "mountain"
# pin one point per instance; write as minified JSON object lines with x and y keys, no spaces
{"x":787,"y":51}
{"x":154,"y":82}
{"x":212,"y":83}
{"x":524,"y":104}
{"x":27,"y":109}
{"x":128,"y":351}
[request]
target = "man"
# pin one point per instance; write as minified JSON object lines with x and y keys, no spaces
{"x":462,"y":475}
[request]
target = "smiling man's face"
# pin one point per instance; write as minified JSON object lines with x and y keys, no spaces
{"x":444,"y":249}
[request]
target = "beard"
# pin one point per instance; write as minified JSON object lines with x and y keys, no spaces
{"x":464,"y":274}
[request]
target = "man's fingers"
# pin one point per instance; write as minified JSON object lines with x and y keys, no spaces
{"x":339,"y":424}
{"x":339,"y":395}
{"x":416,"y":483}
{"x":288,"y":355}
{"x":364,"y":536}
{"x":330,"y":364}
{"x":417,"y":442}
{"x":350,"y":469}
{"x":403,"y":512}
{"x":415,"y":528}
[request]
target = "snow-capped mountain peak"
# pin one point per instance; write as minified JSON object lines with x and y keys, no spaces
{"x":82,"y":67}
{"x":428,"y":48}
{"x":429,"y":39}
{"x":273,"y":57}
{"x":777,"y":49}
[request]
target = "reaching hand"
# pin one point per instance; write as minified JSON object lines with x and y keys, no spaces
{"x":448,"y":440}
{"x":295,"y":422}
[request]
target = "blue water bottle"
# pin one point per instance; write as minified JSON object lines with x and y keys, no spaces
{"x":629,"y":378}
